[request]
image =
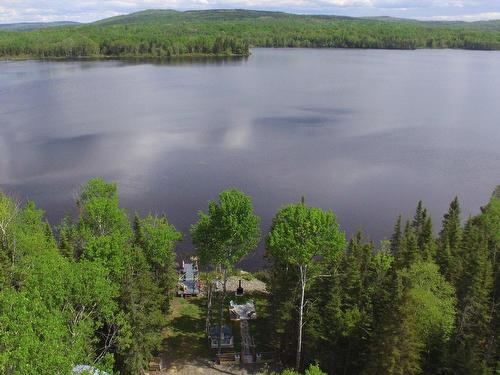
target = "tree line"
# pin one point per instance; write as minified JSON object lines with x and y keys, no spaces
{"x":234,"y":36}
{"x":416,"y":304}
{"x":97,"y":289}
{"x":96,"y":294}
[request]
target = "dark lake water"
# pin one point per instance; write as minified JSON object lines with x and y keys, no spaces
{"x":365,"y":133}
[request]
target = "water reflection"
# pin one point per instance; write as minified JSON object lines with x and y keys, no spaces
{"x":366,"y":133}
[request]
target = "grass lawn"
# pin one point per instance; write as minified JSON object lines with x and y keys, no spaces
{"x":185,"y":336}
{"x":261,"y":328}
{"x":185,"y":339}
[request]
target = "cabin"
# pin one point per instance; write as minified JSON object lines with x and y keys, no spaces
{"x":189,"y":283}
{"x":227,"y":336}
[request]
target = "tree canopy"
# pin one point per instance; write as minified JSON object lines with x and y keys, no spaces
{"x":166,"y":34}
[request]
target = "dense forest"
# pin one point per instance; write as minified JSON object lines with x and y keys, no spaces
{"x":96,"y":289}
{"x":416,"y":304}
{"x":162,"y":34}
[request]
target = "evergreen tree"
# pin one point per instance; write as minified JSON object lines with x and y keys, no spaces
{"x":448,"y":254}
{"x":396,"y":238}
{"x":141,"y":300}
{"x":476,"y":343}
{"x":67,"y":238}
{"x":157,"y":238}
{"x":426,"y":241}
{"x":409,"y":252}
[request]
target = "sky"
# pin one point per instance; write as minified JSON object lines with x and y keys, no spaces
{"x":91,"y":10}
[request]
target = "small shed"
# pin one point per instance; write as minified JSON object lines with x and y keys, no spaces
{"x":227,"y":336}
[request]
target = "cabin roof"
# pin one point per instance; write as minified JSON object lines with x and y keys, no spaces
{"x":226,"y":330}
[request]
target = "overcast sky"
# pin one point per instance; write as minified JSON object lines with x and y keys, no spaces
{"x":91,"y":10}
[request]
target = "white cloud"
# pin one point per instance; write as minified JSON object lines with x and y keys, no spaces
{"x":466,"y":17}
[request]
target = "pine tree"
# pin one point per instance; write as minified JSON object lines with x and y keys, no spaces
{"x":67,"y":238}
{"x":426,"y":242}
{"x":396,"y":238}
{"x":422,"y":226}
{"x":409,"y":248}
{"x":475,"y":289}
{"x":419,"y":218}
{"x":138,"y":231}
{"x":141,"y":300}
{"x":397,"y":347}
{"x":448,"y":256}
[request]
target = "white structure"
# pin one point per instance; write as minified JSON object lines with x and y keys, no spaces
{"x":242,"y":312}
{"x":189,"y":284}
{"x":87,"y":370}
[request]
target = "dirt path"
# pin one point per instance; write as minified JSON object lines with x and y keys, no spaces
{"x":207,"y":368}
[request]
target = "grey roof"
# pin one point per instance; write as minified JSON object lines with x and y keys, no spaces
{"x":226,"y":330}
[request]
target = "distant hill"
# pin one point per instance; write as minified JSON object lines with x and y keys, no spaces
{"x":29,"y":26}
{"x":154,"y":16}
{"x":169,"y":16}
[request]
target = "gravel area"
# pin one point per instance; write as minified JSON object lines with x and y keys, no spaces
{"x":253,"y":285}
{"x":207,"y":368}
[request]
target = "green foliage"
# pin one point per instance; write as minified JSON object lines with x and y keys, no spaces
{"x":33,"y":338}
{"x":299,"y":234}
{"x":103,"y":227}
{"x":100,"y":293}
{"x":302,"y":242}
{"x":449,"y":248}
{"x":423,"y":315}
{"x":161,"y":34}
{"x":311,"y":370}
{"x":141,"y":300}
{"x":228,"y":231}
{"x":157,"y":238}
{"x":431,"y":301}
{"x":50,"y":305}
{"x":94,"y":297}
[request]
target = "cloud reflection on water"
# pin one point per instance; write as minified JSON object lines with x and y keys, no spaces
{"x":359,"y":132}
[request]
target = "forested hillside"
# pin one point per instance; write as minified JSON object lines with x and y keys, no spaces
{"x":96,"y":289}
{"x":170,"y":33}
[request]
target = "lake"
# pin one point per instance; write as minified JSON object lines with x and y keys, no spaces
{"x":366,"y":133}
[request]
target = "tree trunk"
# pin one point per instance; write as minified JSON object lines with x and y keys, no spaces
{"x":221,"y":322}
{"x":303,"y":280}
{"x":209,"y":306}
